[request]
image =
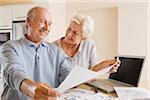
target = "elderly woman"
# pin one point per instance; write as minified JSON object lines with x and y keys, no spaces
{"x":79,"y":49}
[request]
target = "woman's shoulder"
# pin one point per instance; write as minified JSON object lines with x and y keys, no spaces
{"x":57,"y":42}
{"x":88,"y":41}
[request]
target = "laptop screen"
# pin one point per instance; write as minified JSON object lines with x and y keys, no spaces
{"x":129,"y":70}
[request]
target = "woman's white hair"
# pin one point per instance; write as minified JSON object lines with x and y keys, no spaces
{"x":86,"y":22}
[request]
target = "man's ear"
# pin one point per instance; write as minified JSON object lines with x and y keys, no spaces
{"x":28,"y":19}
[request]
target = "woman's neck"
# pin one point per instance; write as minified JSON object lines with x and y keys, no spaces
{"x":69,"y":49}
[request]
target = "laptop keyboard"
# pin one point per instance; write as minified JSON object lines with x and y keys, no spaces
{"x":101,"y":85}
{"x":106,"y":85}
{"x":109,"y":82}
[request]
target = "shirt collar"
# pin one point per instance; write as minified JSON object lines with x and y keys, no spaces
{"x":80,"y":47}
{"x":30,"y":43}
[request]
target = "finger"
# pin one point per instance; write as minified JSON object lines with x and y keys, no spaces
{"x":118,"y":62}
{"x":115,"y":67}
{"x":43,"y":97}
{"x":112,"y":62}
{"x":113,"y":71}
{"x":50,"y":91}
{"x":45,"y":90}
{"x":51,"y":98}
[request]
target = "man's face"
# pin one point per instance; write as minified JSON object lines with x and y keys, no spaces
{"x":40,"y":25}
{"x":73,"y":34}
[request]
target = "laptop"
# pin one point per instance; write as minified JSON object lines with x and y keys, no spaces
{"x":128,"y":74}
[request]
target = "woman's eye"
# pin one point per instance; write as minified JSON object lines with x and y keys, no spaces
{"x":50,"y":23}
{"x":69,"y":29}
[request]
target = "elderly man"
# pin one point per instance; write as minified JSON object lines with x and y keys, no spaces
{"x":31,"y":66}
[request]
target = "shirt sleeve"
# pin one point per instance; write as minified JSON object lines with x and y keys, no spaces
{"x":64,"y":68}
{"x":93,"y":58}
{"x":64,"y":71}
{"x":11,"y":65}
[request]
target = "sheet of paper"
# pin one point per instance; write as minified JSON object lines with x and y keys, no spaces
{"x":82,"y":94}
{"x":79,"y":75}
{"x":132,"y":93}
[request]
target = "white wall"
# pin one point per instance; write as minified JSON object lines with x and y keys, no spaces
{"x":133,"y":34}
{"x":148,"y":46}
{"x":59,"y":20}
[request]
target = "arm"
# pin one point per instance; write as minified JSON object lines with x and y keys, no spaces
{"x":11,"y":65}
{"x":38,"y":91}
{"x":16,"y":77}
{"x":93,"y":55}
{"x":94,"y":66}
{"x":106,"y":63}
{"x":64,"y":68}
{"x":103,"y":64}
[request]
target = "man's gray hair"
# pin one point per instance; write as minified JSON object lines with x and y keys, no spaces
{"x":86,"y":22}
{"x":31,"y":12}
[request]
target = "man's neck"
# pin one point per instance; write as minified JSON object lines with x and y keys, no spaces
{"x":37,"y":43}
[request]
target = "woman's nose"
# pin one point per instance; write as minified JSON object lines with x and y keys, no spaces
{"x":69,"y":34}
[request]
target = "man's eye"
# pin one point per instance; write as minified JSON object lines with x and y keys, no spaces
{"x":42,"y":21}
{"x":75,"y":33}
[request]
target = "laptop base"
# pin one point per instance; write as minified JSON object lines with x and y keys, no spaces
{"x":107,"y":84}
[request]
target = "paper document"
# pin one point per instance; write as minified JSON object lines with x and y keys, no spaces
{"x":79,"y":75}
{"x":132,"y":93}
{"x":82,"y":94}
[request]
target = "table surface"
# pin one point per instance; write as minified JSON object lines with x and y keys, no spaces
{"x":91,"y":88}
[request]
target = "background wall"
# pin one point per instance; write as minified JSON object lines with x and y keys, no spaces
{"x":58,"y":10}
{"x":133,"y":33}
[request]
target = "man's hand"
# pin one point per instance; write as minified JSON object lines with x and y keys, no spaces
{"x":44,"y":92}
{"x":38,"y":91}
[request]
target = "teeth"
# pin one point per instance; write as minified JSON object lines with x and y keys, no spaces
{"x":43,"y":30}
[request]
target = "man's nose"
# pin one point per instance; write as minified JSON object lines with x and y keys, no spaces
{"x":47,"y":26}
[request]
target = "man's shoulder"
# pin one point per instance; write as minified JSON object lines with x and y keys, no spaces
{"x":11,"y":44}
{"x":52,"y":46}
{"x":54,"y":49}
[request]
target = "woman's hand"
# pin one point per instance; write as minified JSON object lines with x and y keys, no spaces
{"x":115,"y":63}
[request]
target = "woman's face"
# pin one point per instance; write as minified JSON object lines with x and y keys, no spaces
{"x":73,"y":33}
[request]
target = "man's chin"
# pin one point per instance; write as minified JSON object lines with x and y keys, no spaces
{"x":43,"y":37}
